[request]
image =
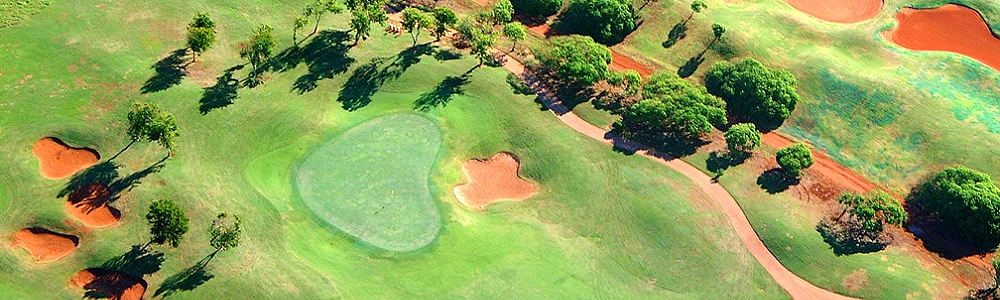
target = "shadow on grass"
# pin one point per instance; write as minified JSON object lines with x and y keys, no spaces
{"x":368,"y":78}
{"x":846,"y":238}
{"x":222,"y":93}
{"x":718,"y":163}
{"x":186,"y":280}
{"x":442,"y":93}
{"x":138,"y":261}
{"x":676,"y":34}
{"x":937,"y":237}
{"x":169,"y":72}
{"x":776,"y":181}
{"x":102,"y":184}
{"x":691,"y":66}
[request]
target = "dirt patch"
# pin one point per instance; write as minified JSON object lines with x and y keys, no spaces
{"x":621,"y":62}
{"x":111,"y":284}
{"x":856,"y":281}
{"x":493,"y":180}
{"x":834,"y":172}
{"x":840,"y":11}
{"x":56,"y":160}
{"x":89,"y":206}
{"x":44,"y":245}
{"x":953,"y":28}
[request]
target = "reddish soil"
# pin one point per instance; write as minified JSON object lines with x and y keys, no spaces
{"x":831,"y":170}
{"x":89,"y":206}
{"x":621,"y":62}
{"x":44,"y":245}
{"x":493,"y":180}
{"x":840,"y":11}
{"x":483,"y":3}
{"x":952,"y":28}
{"x":112,"y":284}
{"x":542,"y":29}
{"x":56,"y":160}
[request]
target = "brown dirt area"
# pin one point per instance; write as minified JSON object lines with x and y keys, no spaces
{"x":493,"y":180}
{"x":44,"y":245}
{"x":56,"y":160}
{"x":621,"y":62}
{"x":839,"y":11}
{"x":951,"y":28}
{"x":89,"y":206}
{"x":112,"y":284}
{"x":836,"y":173}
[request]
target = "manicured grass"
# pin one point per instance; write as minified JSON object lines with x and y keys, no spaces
{"x":13,"y":12}
{"x":592,"y":115}
{"x":371,"y":182}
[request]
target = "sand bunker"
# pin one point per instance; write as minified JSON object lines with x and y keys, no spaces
{"x":89,"y":206}
{"x":45,"y":246}
{"x":840,"y":11}
{"x":56,"y":160}
{"x":952,"y":28}
{"x":112,"y":284}
{"x":493,"y":180}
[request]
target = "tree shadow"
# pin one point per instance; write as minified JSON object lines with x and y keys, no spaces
{"x":776,"y":181}
{"x":937,"y":237}
{"x":102,"y":184}
{"x":325,"y":55}
{"x":447,"y":54}
{"x":846,"y":238}
{"x":676,"y":34}
{"x":138,"y":261}
{"x":441,"y":94}
{"x":691,"y":66}
{"x":718,"y":163}
{"x":186,"y":280}
{"x":169,"y":72}
{"x":222,"y":93}
{"x":368,"y":78}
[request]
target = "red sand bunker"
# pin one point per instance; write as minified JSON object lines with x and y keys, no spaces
{"x":840,"y":11}
{"x":44,"y":245}
{"x":89,"y":206}
{"x":493,"y":180}
{"x":112,"y":284}
{"x":952,"y":28}
{"x":56,"y":160}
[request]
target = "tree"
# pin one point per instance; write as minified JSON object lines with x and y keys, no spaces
{"x":444,"y":17}
{"x":742,"y":138}
{"x":364,"y":13}
{"x":150,"y":122}
{"x":577,"y":59}
{"x":300,"y":22}
{"x":482,"y":41}
{"x":872,"y":211}
{"x":317,"y":9}
{"x":696,"y":7}
{"x":259,"y":47}
{"x":502,"y":12}
{"x":167,"y":223}
{"x":793,"y":159}
{"x":201,"y":34}
{"x":628,"y":80}
{"x":607,"y":21}
{"x":515,"y":31}
{"x":646,"y":3}
{"x":201,"y":20}
{"x":537,"y":9}
{"x":415,"y":20}
{"x":225,"y":232}
{"x":671,"y":108}
{"x":753,"y":92}
{"x":964,"y":200}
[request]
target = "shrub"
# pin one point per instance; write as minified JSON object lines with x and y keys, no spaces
{"x":966,"y":201}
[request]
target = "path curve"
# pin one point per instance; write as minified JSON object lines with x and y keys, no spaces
{"x":797,"y":287}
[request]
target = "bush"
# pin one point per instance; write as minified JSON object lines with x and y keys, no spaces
{"x":607,"y":21}
{"x":753,"y":92}
{"x":794,"y":158}
{"x":742,"y":138}
{"x":537,"y":9}
{"x":966,"y":201}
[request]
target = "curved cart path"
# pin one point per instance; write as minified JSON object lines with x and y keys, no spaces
{"x":797,"y":287}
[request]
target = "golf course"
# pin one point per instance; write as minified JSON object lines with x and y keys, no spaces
{"x":365,"y":149}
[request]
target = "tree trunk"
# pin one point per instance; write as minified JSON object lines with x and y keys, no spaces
{"x":316,"y":27}
{"x":123,"y":150}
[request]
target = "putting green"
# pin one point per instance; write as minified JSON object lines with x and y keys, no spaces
{"x":372,"y":182}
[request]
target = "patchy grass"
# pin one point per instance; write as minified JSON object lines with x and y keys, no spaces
{"x":13,"y":12}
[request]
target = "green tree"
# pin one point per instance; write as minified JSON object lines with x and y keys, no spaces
{"x":872,"y":211}
{"x":482,"y":41}
{"x":167,"y":223}
{"x":258,"y":49}
{"x":671,"y":108}
{"x":225,"y":232}
{"x":150,"y":122}
{"x":966,"y":201}
{"x":317,"y":9}
{"x":607,"y":21}
{"x":577,"y":59}
{"x":300,"y":22}
{"x":415,"y":20}
{"x":793,"y":159}
{"x":537,"y":9}
{"x":502,"y":12}
{"x":364,"y":13}
{"x":444,"y":17}
{"x":202,"y":20}
{"x":629,"y":80}
{"x":696,"y":7}
{"x":515,"y":32}
{"x":201,"y":34}
{"x":753,"y":92}
{"x":742,"y":138}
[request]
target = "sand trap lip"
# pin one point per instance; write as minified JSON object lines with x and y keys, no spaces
{"x":89,"y":206}
{"x":112,"y":284}
{"x":56,"y":160}
{"x":44,"y":245}
{"x":493,"y":180}
{"x":839,"y":11}
{"x":950,"y":27}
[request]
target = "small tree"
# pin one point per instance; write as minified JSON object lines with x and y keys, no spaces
{"x":150,"y":122}
{"x":872,"y":211}
{"x":793,"y":159}
{"x":742,"y":138}
{"x":300,"y":22}
{"x":696,"y":7}
{"x":201,"y":34}
{"x":482,"y":41}
{"x":515,"y":32}
{"x":415,"y":20}
{"x":167,"y":223}
{"x":225,"y":232}
{"x":317,"y":9}
{"x":502,"y":12}
{"x":259,"y":47}
{"x":444,"y":17}
{"x":364,"y":13}
{"x":717,"y":31}
{"x":201,"y":20}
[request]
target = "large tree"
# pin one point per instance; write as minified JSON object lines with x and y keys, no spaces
{"x":754,"y":92}
{"x":415,"y":20}
{"x":444,"y":17}
{"x":671,"y":109}
{"x":150,"y":122}
{"x":201,"y":34}
{"x":225,"y":232}
{"x":363,"y":14}
{"x":577,"y":59}
{"x":607,"y":21}
{"x":793,"y":159}
{"x":965,"y":200}
{"x":515,"y":32}
{"x":742,"y":138}
{"x":167,"y":223}
{"x":537,"y":9}
{"x":259,"y":47}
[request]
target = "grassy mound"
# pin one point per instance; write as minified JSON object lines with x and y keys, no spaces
{"x":371,"y":182}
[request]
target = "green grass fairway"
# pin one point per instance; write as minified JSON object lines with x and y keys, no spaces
{"x":371,"y":182}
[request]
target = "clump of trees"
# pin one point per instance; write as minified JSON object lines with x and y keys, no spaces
{"x":860,"y":226}
{"x":672,"y":111}
{"x":742,"y":138}
{"x":963,"y":200}
{"x":607,"y":21}
{"x":147,"y":121}
{"x":201,"y":34}
{"x":537,"y":9}
{"x":167,"y":223}
{"x":577,"y":60}
{"x":795,"y":158}
{"x":755,"y":93}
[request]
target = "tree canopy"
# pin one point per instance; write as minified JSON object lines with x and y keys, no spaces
{"x":515,"y":32}
{"x":201,"y":34}
{"x":259,"y":48}
{"x":415,"y":20}
{"x":150,"y":122}
{"x":873,"y":211}
{"x":363,"y":14}
{"x":674,"y":108}
{"x":754,"y":92}
{"x":742,"y":138}
{"x":202,"y":20}
{"x":225,"y":232}
{"x":793,"y":159}
{"x":964,"y":200}
{"x":502,"y":12}
{"x":444,"y":17}
{"x":607,"y":21}
{"x":167,"y":223}
{"x":537,"y":9}
{"x":577,"y":59}
{"x":317,"y":9}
